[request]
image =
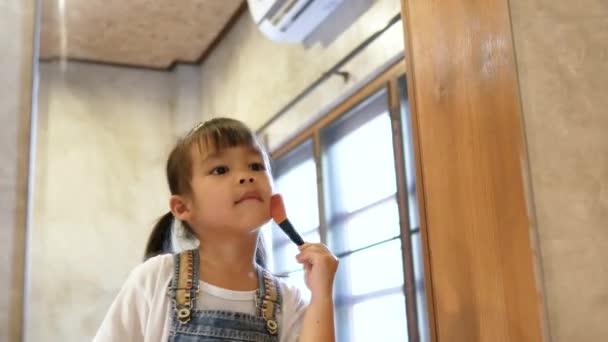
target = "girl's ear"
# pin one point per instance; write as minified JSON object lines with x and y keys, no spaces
{"x":180,"y":207}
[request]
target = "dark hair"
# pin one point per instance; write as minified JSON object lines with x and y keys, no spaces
{"x":215,"y":134}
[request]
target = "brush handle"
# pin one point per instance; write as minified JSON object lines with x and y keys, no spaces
{"x":291,"y":232}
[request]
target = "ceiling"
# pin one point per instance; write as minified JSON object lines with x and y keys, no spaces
{"x":142,"y":33}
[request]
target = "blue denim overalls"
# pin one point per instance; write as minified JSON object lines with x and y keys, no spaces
{"x":190,"y":324}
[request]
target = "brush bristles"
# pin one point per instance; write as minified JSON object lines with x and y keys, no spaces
{"x":277,"y":208}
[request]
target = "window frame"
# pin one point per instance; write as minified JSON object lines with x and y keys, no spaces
{"x":387,"y":80}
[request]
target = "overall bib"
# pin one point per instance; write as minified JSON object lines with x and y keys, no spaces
{"x":189,"y":324}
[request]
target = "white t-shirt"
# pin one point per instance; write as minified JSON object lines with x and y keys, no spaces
{"x":142,"y":311}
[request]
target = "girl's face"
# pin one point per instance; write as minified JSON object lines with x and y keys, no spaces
{"x":230,"y":190}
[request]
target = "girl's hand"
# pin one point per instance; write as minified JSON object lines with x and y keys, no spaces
{"x":320,"y":267}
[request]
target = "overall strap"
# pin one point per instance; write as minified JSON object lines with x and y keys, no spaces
{"x":269,"y":301}
{"x":185,"y":283}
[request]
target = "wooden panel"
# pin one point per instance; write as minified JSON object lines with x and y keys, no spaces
{"x":467,"y":122}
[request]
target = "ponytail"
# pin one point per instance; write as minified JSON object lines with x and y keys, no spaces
{"x":159,"y":241}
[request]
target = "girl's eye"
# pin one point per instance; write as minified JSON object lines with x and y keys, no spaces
{"x":220,"y":170}
{"x":257,"y":167}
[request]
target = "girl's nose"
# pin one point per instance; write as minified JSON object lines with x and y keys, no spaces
{"x":244,"y":180}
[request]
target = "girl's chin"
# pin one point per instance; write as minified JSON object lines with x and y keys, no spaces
{"x":251,"y":225}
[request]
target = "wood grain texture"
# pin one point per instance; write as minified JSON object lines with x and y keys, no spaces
{"x":471,"y":161}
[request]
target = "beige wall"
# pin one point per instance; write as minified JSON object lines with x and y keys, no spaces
{"x":16,"y":44}
{"x":103,"y":137}
{"x":562,"y":55}
{"x":250,"y":77}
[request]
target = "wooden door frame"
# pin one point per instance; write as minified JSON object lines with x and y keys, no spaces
{"x":482,"y":280}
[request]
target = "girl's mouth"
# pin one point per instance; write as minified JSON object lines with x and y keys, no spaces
{"x":249,"y":195}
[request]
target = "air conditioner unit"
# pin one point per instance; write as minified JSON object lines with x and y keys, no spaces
{"x":296,"y":21}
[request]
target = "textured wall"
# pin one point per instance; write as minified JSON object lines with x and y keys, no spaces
{"x":186,"y":101}
{"x":104,"y":134}
{"x":16,"y":44}
{"x":251,"y":77}
{"x":103,"y":137}
{"x":562,"y":55}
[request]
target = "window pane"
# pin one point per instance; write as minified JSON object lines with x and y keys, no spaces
{"x":359,"y":273}
{"x":421,"y":307}
{"x":296,"y":180}
{"x":380,"y":319}
{"x":361,"y":165}
{"x":285,"y":253}
{"x":371,"y":226}
{"x":298,"y":187}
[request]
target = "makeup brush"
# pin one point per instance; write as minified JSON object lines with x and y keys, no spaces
{"x":277,"y":211}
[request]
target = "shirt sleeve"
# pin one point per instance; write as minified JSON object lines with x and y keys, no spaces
{"x":294,"y":307}
{"x":125,"y":321}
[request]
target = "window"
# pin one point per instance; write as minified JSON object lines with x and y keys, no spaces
{"x":296,"y":180}
{"x":340,"y":182}
{"x":363,"y":222}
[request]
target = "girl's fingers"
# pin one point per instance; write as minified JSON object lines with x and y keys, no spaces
{"x":316,"y":254}
{"x":314,"y":247}
{"x":313,"y":256}
{"x":309,"y":245}
{"x":306,"y":257}
{"x":303,"y":257}
{"x":305,"y":246}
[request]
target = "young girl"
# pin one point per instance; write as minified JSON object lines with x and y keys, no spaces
{"x":220,"y":192}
